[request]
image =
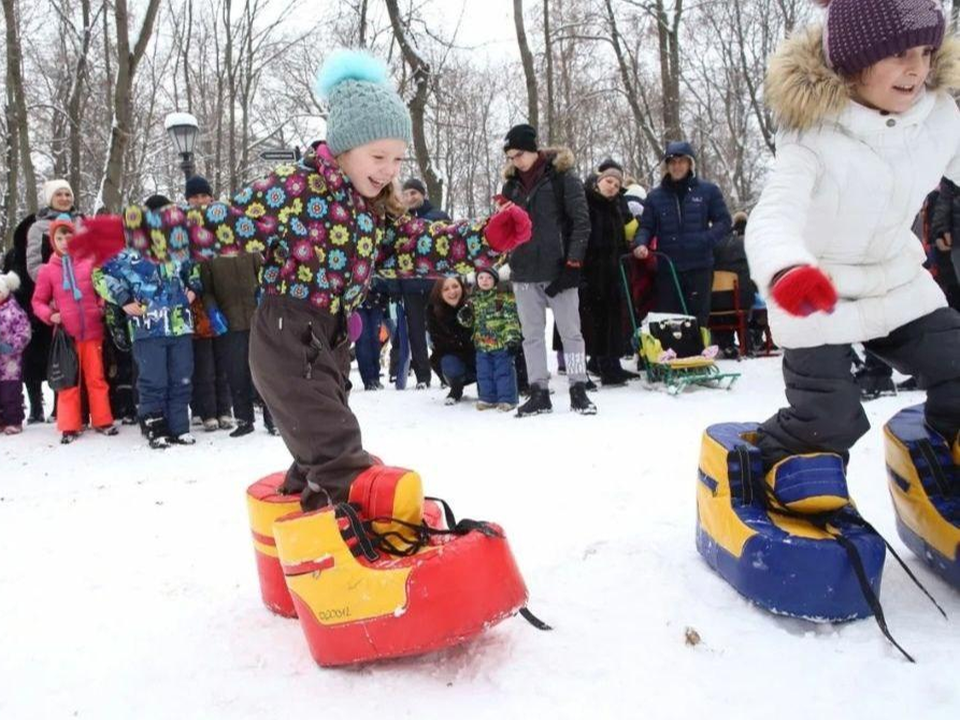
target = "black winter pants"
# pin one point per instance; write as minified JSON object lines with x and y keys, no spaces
{"x":415,"y":306}
{"x":695,"y":285}
{"x":211,"y":391}
{"x":236,"y":357}
{"x":825,"y":413}
{"x":300,"y":362}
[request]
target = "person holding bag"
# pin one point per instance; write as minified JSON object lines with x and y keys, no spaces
{"x":64,"y":297}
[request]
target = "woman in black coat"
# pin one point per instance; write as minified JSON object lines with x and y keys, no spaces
{"x":453,"y":357}
{"x":601,"y":297}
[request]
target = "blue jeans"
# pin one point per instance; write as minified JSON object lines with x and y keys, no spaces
{"x":165,"y":368}
{"x":455,"y":370}
{"x":368,"y":344}
{"x":496,"y":377}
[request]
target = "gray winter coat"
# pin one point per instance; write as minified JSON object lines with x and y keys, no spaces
{"x":557,"y":207}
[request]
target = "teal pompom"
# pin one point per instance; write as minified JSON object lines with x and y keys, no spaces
{"x":349,"y":65}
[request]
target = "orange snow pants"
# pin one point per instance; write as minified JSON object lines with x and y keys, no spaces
{"x":90,"y":360}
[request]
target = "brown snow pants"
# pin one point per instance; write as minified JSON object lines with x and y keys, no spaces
{"x":300,"y":364}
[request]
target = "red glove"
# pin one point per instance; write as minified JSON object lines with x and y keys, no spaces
{"x":508,"y":229}
{"x":99,"y":237}
{"x":804,"y":290}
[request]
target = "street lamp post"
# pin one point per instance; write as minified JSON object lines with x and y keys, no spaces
{"x":183,"y":130}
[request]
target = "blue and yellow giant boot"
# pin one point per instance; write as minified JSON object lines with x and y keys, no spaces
{"x":924,"y":481}
{"x":788,"y":540}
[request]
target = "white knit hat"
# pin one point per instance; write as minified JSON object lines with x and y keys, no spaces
{"x":50,"y":188}
{"x":8,"y":283}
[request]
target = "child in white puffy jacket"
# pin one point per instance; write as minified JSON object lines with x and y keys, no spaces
{"x":867,"y":129}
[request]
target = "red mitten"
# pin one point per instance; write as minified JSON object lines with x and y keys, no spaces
{"x":508,"y":229}
{"x":99,"y":237}
{"x":804,"y":290}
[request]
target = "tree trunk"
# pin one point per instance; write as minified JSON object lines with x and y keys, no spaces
{"x":13,"y":172}
{"x":418,"y":104}
{"x":111,"y":190}
{"x":551,"y":93}
{"x":15,"y":83}
{"x":668,"y":35}
{"x":528,"y":70}
{"x":627,"y":77}
{"x":75,"y":104}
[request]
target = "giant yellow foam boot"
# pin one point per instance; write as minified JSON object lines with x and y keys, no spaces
{"x":264,"y":506}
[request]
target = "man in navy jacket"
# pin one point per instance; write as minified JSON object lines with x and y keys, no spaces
{"x":688,"y":217}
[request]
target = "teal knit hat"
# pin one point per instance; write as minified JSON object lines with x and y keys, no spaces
{"x":363,"y":106}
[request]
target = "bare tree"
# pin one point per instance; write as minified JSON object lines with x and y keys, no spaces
{"x":128,"y":59}
{"x":15,"y":98}
{"x":533,"y":116}
{"x":421,"y":80}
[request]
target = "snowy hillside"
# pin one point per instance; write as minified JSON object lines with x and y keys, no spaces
{"x":128,"y":587}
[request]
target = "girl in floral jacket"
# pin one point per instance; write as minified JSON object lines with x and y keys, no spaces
{"x":14,"y":336}
{"x":324,"y":226}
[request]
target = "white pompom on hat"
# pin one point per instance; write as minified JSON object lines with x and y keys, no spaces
{"x":9,"y":282}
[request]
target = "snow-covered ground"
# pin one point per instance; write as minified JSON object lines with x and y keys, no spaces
{"x":128,"y":588}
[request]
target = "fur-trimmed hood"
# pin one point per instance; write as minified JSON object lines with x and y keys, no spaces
{"x":801,"y":88}
{"x":561,"y":158}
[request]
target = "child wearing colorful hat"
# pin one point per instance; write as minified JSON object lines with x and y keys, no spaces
{"x":325,"y":225}
{"x":867,"y":127}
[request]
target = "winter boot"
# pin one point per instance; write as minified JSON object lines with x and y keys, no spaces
{"x":36,"y":405}
{"x":109,"y":430}
{"x":455,"y":394}
{"x":243,"y":428}
{"x":183,"y":439}
{"x":610,"y":372}
{"x":68,"y":437}
{"x":154,"y":428}
{"x":483,"y":405}
{"x":225,"y":422}
{"x":579,"y":402}
{"x":210,"y":425}
{"x":875,"y":378}
{"x":537,"y":404}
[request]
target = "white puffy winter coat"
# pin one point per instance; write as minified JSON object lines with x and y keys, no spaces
{"x":846,"y":187}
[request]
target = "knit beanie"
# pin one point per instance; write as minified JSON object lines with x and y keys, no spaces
{"x":197,"y":185}
{"x":488,"y":271}
{"x":415,"y":184}
{"x":155,"y":202}
{"x":859,"y":33}
{"x":521,"y":137}
{"x":363,"y":105}
{"x":9,"y":282}
{"x":608,"y":164}
{"x":611,"y":171}
{"x":50,"y":188}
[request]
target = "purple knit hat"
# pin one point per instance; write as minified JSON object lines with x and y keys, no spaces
{"x":859,"y":33}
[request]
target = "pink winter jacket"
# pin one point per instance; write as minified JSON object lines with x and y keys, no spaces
{"x":80,"y":318}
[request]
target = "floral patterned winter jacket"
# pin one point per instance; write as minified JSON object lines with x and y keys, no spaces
{"x":14,"y":336}
{"x":321,"y":240}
